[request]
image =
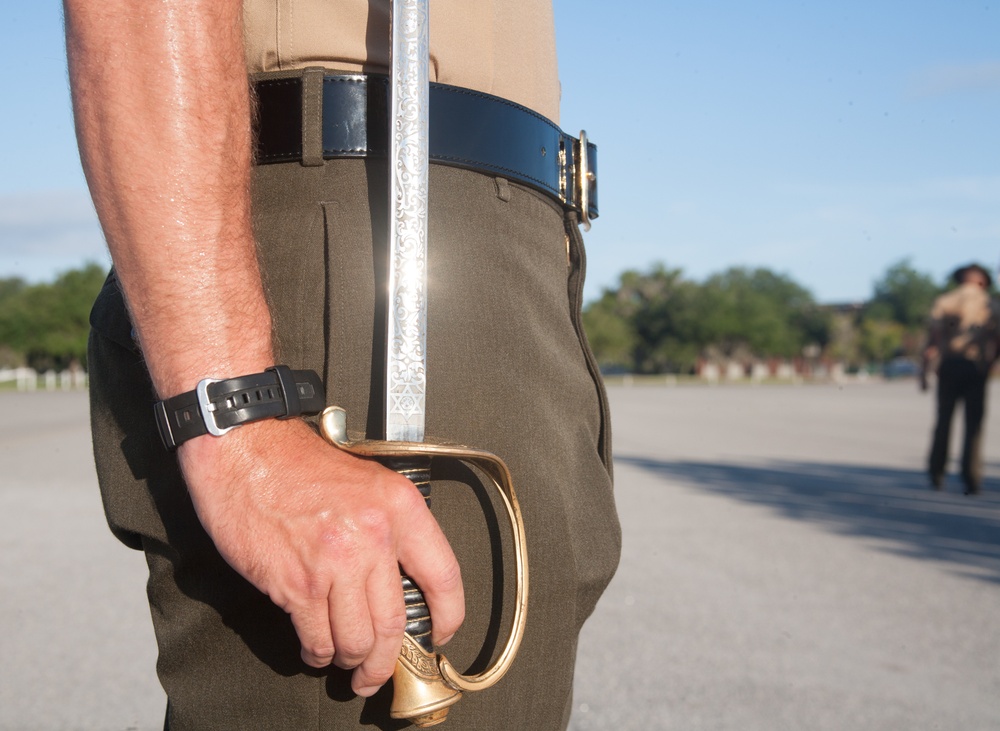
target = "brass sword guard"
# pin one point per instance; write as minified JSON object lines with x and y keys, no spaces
{"x":426,"y":685}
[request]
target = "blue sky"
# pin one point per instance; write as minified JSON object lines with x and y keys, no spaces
{"x":823,"y":140}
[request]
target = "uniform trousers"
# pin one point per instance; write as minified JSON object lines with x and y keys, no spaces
{"x":960,"y":379}
{"x":509,"y":370}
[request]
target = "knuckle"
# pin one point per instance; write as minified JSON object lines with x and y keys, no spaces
{"x":347,"y":661}
{"x":409,"y":499}
{"x":449,"y":579}
{"x":378,"y":675}
{"x":300,"y":592}
{"x":348,"y":540}
{"x":317,"y":655}
{"x":337,"y":537}
{"x":315,"y":588}
{"x":352,"y":652}
{"x":392,"y":625}
{"x":378,"y":526}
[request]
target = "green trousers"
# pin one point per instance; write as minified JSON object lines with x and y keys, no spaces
{"x":960,"y":379}
{"x":509,"y":370}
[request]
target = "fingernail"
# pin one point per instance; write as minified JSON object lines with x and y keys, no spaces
{"x":367,"y":692}
{"x":447,"y":639}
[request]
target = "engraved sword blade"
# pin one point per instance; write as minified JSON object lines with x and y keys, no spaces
{"x":406,"y":336}
{"x":406,"y":373}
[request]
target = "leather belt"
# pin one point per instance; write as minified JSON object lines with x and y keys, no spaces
{"x":468,"y":129}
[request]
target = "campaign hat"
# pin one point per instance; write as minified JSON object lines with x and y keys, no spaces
{"x":959,"y":274}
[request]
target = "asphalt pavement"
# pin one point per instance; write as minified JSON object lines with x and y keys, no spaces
{"x":785,"y":567}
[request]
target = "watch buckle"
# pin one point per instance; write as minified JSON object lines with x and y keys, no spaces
{"x":208,"y":409}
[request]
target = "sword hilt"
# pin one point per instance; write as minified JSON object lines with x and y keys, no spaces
{"x":416,"y":677}
{"x":425,"y":684}
{"x":418,"y":616}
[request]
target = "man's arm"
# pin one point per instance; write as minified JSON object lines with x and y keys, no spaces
{"x":929,"y":354}
{"x":934,"y":343}
{"x":162,"y":109}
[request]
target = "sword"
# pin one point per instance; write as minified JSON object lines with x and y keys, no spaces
{"x":425,"y":684}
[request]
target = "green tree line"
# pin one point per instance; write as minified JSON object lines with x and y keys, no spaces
{"x":45,"y":326}
{"x":658,"y":321}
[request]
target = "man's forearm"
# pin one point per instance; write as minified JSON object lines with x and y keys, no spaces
{"x":163,"y":119}
{"x":163,"y":122}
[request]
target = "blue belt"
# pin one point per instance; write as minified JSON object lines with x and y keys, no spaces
{"x":468,"y":129}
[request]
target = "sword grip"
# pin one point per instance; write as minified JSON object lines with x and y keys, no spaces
{"x":418,"y":617}
{"x":419,"y":692}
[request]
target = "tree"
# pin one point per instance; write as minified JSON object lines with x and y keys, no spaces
{"x":665,"y":319}
{"x":893,"y":321}
{"x":645,"y":324}
{"x":760,"y":313}
{"x":881,"y":340}
{"x":658,"y":321}
{"x":612,"y":336}
{"x":11,"y":287}
{"x":47,"y":325}
{"x":903,"y":295}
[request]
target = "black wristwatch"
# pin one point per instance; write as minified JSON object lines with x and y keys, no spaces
{"x":217,"y":406}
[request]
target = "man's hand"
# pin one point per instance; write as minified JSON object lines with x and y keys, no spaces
{"x":927,"y":360}
{"x":323,"y":534}
{"x":163,"y":112}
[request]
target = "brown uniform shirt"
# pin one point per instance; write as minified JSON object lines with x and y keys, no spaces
{"x":965,"y":322}
{"x":501,"y":47}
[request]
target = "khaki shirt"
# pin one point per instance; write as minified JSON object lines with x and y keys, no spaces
{"x":501,"y":47}
{"x":965,"y":322}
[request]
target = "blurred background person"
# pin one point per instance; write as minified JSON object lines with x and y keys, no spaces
{"x":963,"y":341}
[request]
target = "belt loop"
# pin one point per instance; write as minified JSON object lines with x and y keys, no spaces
{"x":503,"y":189}
{"x":312,"y":116}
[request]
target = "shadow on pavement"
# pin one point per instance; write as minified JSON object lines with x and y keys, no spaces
{"x":887,"y":504}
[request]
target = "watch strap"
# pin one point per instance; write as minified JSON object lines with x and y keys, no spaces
{"x":217,"y":406}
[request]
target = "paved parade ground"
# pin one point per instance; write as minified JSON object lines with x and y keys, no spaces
{"x":785,"y":568}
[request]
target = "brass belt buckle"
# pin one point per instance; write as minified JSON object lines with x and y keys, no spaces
{"x":585,"y":179}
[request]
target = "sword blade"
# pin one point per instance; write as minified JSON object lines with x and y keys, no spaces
{"x":406,"y":361}
{"x":421,"y":692}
